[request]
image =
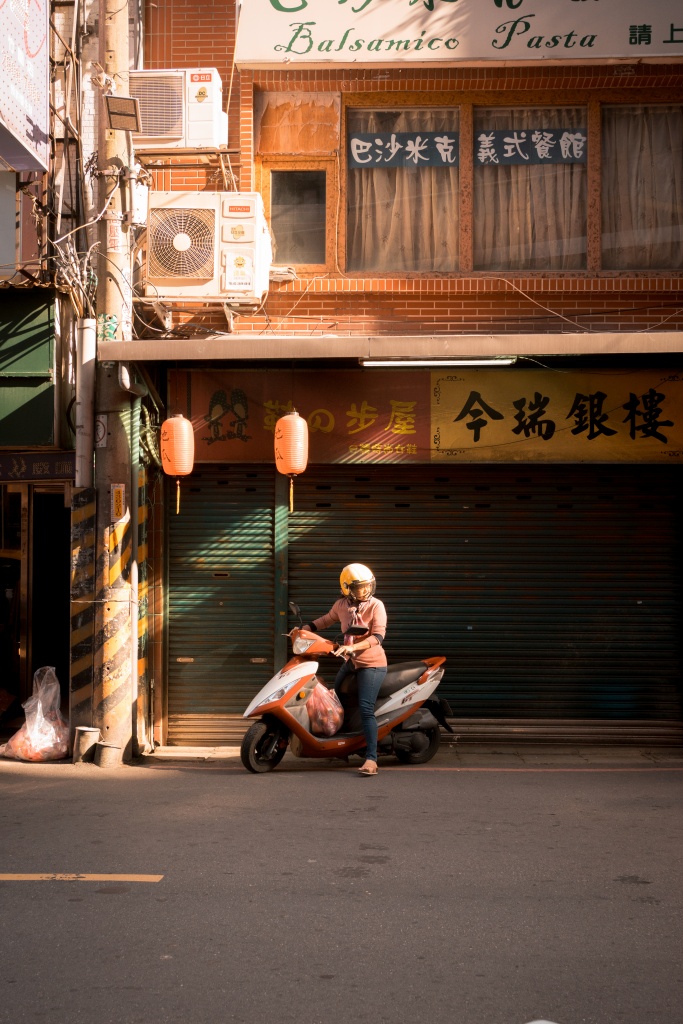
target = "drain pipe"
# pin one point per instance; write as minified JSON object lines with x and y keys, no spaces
{"x":84,"y":406}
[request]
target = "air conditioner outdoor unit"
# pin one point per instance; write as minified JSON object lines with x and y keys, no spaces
{"x":179,"y":109}
{"x":207,"y":245}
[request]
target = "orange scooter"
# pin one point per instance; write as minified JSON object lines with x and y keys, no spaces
{"x":408,"y":714}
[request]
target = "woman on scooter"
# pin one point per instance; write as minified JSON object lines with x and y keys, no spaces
{"x":365,"y":655}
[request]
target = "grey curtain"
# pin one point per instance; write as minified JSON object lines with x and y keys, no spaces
{"x":529,"y":216}
{"x":399,"y":218}
{"x":642,"y":188}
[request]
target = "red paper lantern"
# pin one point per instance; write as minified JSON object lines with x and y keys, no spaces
{"x":177,"y":446}
{"x":291,"y":444}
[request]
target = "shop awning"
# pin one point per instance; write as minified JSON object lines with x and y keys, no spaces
{"x":254,"y":347}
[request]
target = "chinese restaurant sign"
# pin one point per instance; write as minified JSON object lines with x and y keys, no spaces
{"x":403,"y":149}
{"x":273,"y":33}
{"x":440,"y":149}
{"x":502,"y":415}
{"x":531,"y":146}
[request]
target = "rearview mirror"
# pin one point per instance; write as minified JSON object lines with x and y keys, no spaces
{"x":294,"y":609}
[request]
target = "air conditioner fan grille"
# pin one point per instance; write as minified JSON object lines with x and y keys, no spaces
{"x":161,"y":100}
{"x":181,"y":243}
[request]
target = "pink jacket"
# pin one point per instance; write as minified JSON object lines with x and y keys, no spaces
{"x":370,"y":613}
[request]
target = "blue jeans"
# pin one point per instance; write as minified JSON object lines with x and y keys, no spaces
{"x":369,"y":682}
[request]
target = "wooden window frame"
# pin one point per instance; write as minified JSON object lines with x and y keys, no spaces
{"x":592,"y":100}
{"x":417,"y":101}
{"x":265,"y":165}
{"x":465,"y":239}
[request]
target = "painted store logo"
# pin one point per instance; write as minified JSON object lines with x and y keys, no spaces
{"x":396,"y":32}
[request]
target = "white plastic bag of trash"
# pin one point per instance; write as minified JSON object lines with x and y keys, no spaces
{"x":44,"y":736}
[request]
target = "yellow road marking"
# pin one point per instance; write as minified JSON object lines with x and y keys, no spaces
{"x":56,"y":877}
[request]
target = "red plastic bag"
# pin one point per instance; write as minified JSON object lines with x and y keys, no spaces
{"x":325,"y":711}
{"x":44,"y":736}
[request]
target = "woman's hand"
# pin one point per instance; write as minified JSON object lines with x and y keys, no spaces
{"x":347,"y":650}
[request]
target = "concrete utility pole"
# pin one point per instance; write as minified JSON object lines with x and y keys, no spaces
{"x":116,"y":613}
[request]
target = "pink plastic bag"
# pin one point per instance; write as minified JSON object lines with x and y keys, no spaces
{"x":44,"y":736}
{"x":325,"y":711}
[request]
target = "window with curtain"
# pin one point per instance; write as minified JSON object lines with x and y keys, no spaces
{"x":530,"y":214}
{"x":403,"y":218}
{"x":642,"y":187}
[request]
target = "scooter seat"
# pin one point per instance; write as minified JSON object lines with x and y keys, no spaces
{"x":398,"y":675}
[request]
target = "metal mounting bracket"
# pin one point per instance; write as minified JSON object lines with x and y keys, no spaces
{"x":163,"y":314}
{"x":229,"y":316}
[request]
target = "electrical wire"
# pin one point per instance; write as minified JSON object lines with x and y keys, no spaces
{"x":148,"y":326}
{"x":320,"y":277}
{"x":99,"y":216}
{"x":645,"y":330}
{"x":79,"y":277}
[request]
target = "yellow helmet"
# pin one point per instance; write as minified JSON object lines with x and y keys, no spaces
{"x":356,"y":575}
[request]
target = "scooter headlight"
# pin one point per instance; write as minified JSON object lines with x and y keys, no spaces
{"x":301,"y":645}
{"x":273,"y":696}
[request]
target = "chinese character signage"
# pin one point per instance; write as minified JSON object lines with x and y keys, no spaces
{"x":36,"y":468}
{"x":502,"y":415}
{"x":279,"y":33}
{"x":546,"y":416}
{"x":403,"y":149}
{"x":352,"y":416}
{"x":531,"y":146}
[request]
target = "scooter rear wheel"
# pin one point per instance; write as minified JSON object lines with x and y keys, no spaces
{"x":422,"y":756}
{"x":257,"y":752}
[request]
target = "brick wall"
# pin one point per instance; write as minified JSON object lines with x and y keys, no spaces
{"x":182,"y":34}
{"x":468,"y":306}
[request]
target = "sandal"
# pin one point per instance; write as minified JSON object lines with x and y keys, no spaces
{"x":368,"y":771}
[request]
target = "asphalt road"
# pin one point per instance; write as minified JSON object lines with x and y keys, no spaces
{"x":443,"y":896}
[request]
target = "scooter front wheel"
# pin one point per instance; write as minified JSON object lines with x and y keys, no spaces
{"x":263,"y":747}
{"x":421,"y":756}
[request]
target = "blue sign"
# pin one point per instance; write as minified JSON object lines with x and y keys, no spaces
{"x":530,"y":146}
{"x":403,"y":149}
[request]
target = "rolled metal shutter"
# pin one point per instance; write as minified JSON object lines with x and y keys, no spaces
{"x":221,"y":601}
{"x":553,"y":591}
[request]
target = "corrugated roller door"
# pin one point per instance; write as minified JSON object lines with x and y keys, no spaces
{"x":554,"y":592}
{"x":221,"y":600}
